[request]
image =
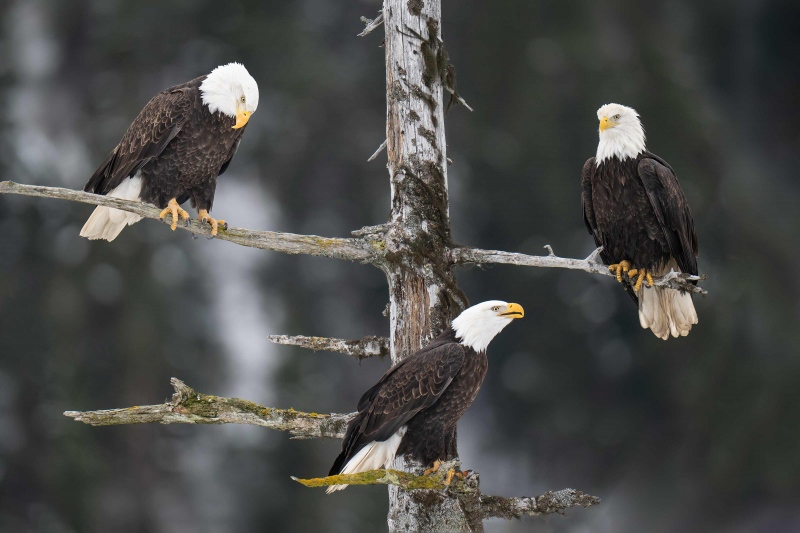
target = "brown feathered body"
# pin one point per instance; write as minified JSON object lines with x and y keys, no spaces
{"x":175,"y":148}
{"x":636,"y":210}
{"x":425,"y":393}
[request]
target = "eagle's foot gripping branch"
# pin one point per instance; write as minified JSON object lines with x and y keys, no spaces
{"x":433,"y":469}
{"x":176,"y":211}
{"x":643,"y":274}
{"x":620,"y":268}
{"x":215,"y":224}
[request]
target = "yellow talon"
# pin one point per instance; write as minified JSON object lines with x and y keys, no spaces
{"x":449,"y":477}
{"x":433,"y":469}
{"x":638,"y":284}
{"x":649,"y":279}
{"x":175,"y":210}
{"x":620,"y":268}
{"x":215,"y":224}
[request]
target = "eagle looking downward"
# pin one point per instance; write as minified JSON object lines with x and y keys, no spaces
{"x":635,"y":209}
{"x":183,"y":139}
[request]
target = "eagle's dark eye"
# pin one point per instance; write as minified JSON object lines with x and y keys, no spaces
{"x":496,"y":308}
{"x":242,"y":98}
{"x":615,"y":117}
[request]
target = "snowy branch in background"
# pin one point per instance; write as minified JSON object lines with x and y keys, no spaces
{"x":370,"y":346}
{"x":290,"y":243}
{"x":190,"y":407}
{"x":464,"y":255}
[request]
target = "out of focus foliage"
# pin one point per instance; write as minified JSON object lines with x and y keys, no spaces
{"x":696,"y":434}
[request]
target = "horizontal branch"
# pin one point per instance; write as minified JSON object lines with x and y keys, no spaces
{"x":290,"y":243}
{"x":370,"y":346}
{"x":463,"y":255}
{"x":381,"y":476}
{"x":550,"y":502}
{"x":190,"y":407}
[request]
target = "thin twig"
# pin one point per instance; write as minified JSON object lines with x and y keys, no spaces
{"x":370,"y":346}
{"x":371,"y":24}
{"x":380,"y":149}
{"x":290,"y":243}
{"x":190,"y":407}
{"x":463,"y":255}
{"x":458,"y":97}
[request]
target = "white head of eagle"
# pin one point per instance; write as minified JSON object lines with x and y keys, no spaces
{"x":232,"y":91}
{"x":621,"y":133}
{"x":478,"y":325}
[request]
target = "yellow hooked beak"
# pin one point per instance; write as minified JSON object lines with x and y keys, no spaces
{"x":605,"y":124}
{"x":242,"y":117}
{"x":513,"y":311}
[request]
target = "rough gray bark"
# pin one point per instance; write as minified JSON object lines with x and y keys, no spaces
{"x":190,"y":407}
{"x":361,"y":349}
{"x":289,"y":243}
{"x":464,"y":255}
{"x":423,"y":295}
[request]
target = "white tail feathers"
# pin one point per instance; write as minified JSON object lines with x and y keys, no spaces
{"x":374,"y":455}
{"x":666,"y":311}
{"x":106,"y":222}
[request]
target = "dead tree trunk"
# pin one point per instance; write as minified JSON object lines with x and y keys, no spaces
{"x":422,"y":289}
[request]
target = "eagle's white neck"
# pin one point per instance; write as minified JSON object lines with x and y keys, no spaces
{"x":476,"y":329}
{"x":624,"y":140}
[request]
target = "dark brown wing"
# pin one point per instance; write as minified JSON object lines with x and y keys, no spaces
{"x":671,"y":209}
{"x":586,"y":201}
{"x":409,"y":387}
{"x":157,"y":124}
{"x":232,"y":153}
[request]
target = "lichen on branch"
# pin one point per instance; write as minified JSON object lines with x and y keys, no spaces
{"x":290,"y":243}
{"x":190,"y":407}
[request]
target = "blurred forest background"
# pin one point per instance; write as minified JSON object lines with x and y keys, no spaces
{"x":695,"y":435}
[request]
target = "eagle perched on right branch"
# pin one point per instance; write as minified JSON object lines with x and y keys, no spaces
{"x":635,"y":209}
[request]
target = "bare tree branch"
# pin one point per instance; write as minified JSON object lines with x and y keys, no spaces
{"x":548,"y":503}
{"x":371,"y":24}
{"x":467,"y":489}
{"x":380,"y":149}
{"x":290,"y":243}
{"x":190,"y":407}
{"x":370,"y":346}
{"x":464,"y":255}
{"x":381,"y":476}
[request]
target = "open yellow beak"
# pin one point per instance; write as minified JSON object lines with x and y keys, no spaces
{"x":605,"y":124}
{"x":513,"y":311}
{"x":241,"y":118}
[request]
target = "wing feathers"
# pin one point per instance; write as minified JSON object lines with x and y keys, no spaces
{"x":151,"y":131}
{"x":672,"y":211}
{"x":409,"y":387}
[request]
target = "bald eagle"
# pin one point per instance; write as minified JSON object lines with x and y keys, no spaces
{"x":635,"y":209}
{"x":174,"y":150}
{"x":414,"y":407}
